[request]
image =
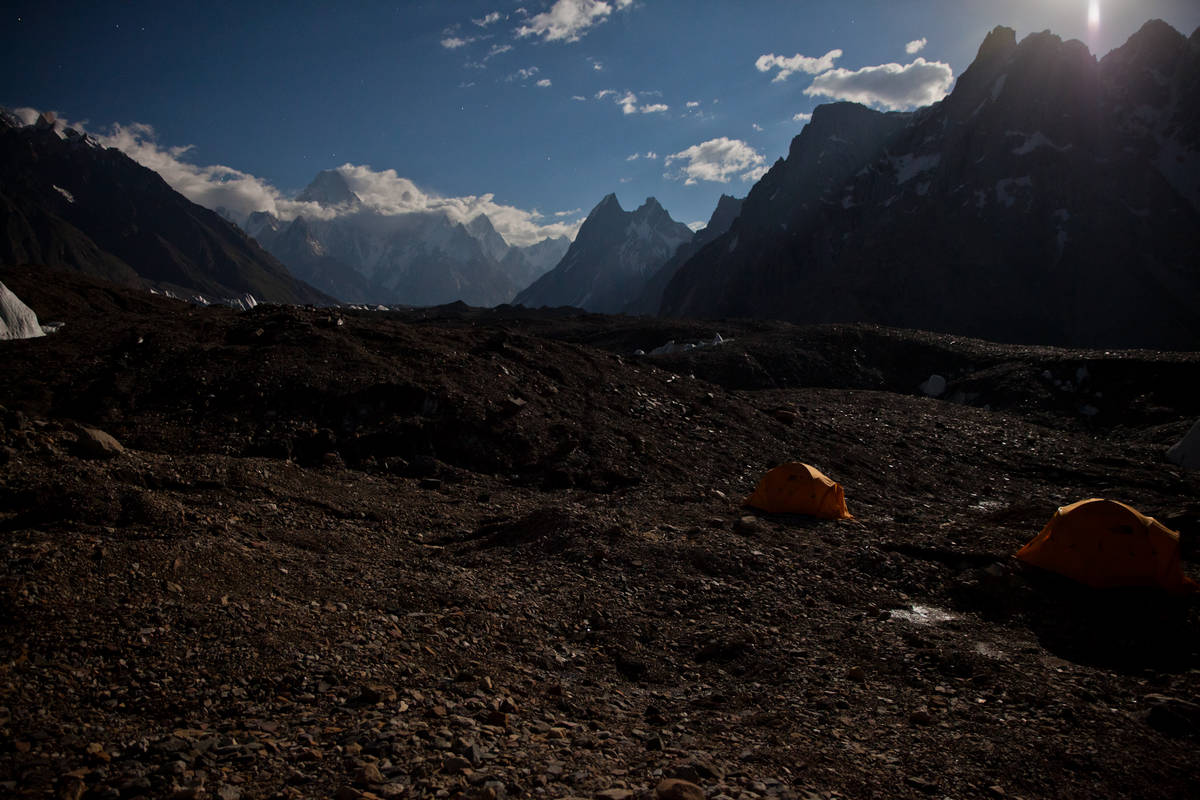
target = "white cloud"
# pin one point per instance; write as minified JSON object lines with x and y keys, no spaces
{"x":211,"y":186}
{"x":496,"y":50}
{"x":570,"y":20}
{"x":629,"y":102}
{"x":797,"y":63}
{"x":241,"y":193}
{"x":802,"y":116}
{"x":916,"y":46}
{"x":488,"y":19}
{"x":455,"y":42}
{"x":544,"y":83}
{"x":597,"y":64}
{"x":892,"y":86}
{"x":698,"y":225}
{"x":693,"y":103}
{"x":756,"y":126}
{"x":579,"y":97}
{"x":624,"y":180}
{"x":651,"y":155}
{"x":523,"y":74}
{"x":717,"y":160}
{"x":633,"y":157}
{"x":569,"y":213}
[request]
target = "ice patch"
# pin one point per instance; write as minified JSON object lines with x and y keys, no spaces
{"x":1004,"y":186}
{"x":934,"y":386}
{"x":17,"y":320}
{"x":910,"y":166}
{"x":671,"y":348}
{"x":1033,"y":141}
{"x":923,"y":615}
{"x":1181,"y":167}
{"x":998,"y":86}
{"x":1186,"y":452}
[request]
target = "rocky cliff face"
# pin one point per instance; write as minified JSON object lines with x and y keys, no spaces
{"x":615,"y":253}
{"x":1050,"y":198}
{"x":67,"y":202}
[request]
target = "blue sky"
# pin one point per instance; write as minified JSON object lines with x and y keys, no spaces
{"x":540,"y":106}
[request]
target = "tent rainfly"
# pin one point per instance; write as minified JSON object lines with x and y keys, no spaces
{"x":796,"y":488}
{"x":1103,"y":543}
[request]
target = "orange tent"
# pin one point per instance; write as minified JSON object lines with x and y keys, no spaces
{"x":797,"y":488}
{"x":1103,"y":543}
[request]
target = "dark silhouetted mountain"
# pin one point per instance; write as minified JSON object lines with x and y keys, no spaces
{"x":612,"y":257}
{"x":1050,"y":198}
{"x":68,"y":202}
{"x":650,"y":298}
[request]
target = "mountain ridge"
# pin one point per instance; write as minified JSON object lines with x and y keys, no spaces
{"x":66,"y":201}
{"x":614,"y":255}
{"x":1042,"y":201}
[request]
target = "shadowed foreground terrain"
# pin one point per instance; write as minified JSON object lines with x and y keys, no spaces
{"x":492,"y":553}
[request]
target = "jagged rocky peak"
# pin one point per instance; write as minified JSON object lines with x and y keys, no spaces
{"x":996,"y":46}
{"x":1156,"y":46}
{"x":489,"y":238}
{"x":611,"y":259}
{"x":609,"y":206}
{"x":329,"y":188}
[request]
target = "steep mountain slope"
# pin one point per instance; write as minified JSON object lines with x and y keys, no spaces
{"x":526,"y":264}
{"x":364,"y":255}
{"x":67,"y":202}
{"x":1045,"y":200}
{"x":650,"y":298}
{"x":612,"y":257}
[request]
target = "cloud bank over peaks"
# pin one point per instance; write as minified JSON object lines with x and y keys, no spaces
{"x":570,"y":20}
{"x":213,"y":186}
{"x":717,"y":160}
{"x":797,"y":63}
{"x":385,"y":192}
{"x":893,"y":86}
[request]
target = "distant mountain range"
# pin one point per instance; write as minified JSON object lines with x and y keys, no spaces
{"x":362,"y":255}
{"x":68,"y":202}
{"x":1050,"y":198}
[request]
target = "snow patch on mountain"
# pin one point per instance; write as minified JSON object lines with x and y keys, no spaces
{"x":1032,"y":141}
{"x":1006,"y":190}
{"x":909,"y":166}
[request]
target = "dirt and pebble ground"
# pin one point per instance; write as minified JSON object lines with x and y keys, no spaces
{"x":457,"y":553}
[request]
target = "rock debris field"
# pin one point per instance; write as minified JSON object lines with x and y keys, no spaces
{"x":292,"y":552}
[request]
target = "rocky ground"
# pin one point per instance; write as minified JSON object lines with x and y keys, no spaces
{"x":456,"y":553}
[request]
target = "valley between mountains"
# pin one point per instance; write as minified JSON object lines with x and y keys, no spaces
{"x":468,"y":553}
{"x":339,"y":497}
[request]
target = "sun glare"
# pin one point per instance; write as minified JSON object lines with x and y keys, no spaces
{"x":1093,"y":15}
